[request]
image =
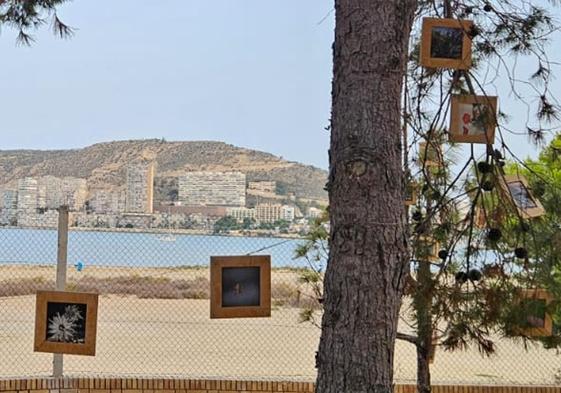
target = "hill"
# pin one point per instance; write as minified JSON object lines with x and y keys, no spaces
{"x":104,"y":165}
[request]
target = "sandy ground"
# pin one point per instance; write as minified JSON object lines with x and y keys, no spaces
{"x":177,"y":338}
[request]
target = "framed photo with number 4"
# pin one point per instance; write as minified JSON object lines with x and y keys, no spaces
{"x":240,"y":286}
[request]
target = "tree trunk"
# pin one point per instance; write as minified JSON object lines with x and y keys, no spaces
{"x":368,"y":252}
{"x":423,"y":369}
{"x":422,"y":302}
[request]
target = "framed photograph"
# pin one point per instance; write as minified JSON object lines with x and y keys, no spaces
{"x":515,"y":188}
{"x":539,"y":321}
{"x":240,"y":286}
{"x":427,"y":249}
{"x":410,"y":193}
{"x":430,"y":154}
{"x":446,"y":43}
{"x":66,"y":322}
{"x":492,"y":216}
{"x":473,"y":119}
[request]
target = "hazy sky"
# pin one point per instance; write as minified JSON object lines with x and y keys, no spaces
{"x":252,"y":73}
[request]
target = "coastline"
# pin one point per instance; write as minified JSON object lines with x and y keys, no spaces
{"x":166,"y":231}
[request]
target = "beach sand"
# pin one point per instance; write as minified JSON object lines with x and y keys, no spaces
{"x":176,"y":338}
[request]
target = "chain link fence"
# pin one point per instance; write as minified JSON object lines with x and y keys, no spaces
{"x":154,"y":313}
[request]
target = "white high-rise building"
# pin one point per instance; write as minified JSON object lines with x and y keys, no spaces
{"x":9,"y":207}
{"x":74,"y":192}
{"x":213,"y":188}
{"x":55,"y":192}
{"x":52,"y":188}
{"x":28,"y":195}
{"x":108,"y":202}
{"x":140,"y":188}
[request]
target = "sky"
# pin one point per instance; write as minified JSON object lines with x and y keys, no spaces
{"x":252,"y":73}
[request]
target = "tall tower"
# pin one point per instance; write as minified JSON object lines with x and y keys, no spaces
{"x":140,"y":188}
{"x":28,"y":195}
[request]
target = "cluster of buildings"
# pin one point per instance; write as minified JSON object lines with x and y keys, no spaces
{"x":203,"y":198}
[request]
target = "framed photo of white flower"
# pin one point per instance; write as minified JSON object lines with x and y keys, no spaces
{"x":473,"y":119}
{"x":240,"y":286}
{"x":66,"y":322}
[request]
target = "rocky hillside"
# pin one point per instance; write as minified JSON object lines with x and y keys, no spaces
{"x":104,"y":165}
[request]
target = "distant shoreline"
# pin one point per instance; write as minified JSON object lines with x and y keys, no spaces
{"x":165,"y":231}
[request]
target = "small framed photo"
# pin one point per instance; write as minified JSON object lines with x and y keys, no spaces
{"x":473,"y":119}
{"x":66,"y":322}
{"x":538,"y":321}
{"x":430,"y":154}
{"x":240,"y":286}
{"x":427,"y":249}
{"x":446,"y":43}
{"x":515,"y":187}
{"x":489,"y":217}
{"x":410,"y":193}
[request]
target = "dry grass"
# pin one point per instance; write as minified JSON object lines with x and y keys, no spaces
{"x":144,"y":287}
{"x":287,"y":294}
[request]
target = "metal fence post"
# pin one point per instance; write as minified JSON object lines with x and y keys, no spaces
{"x":62,"y":254}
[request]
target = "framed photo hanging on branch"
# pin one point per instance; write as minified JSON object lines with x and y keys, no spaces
{"x":240,"y":286}
{"x":473,"y":119}
{"x":446,"y":43}
{"x":538,"y":321}
{"x":410,"y":193}
{"x":430,"y":154}
{"x":66,"y":322}
{"x":515,"y":188}
{"x":427,"y":249}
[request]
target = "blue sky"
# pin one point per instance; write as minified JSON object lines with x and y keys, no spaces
{"x":252,"y":73}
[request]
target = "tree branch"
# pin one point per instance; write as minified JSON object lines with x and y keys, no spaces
{"x":407,"y":337}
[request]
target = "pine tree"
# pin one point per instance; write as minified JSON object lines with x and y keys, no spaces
{"x":26,"y":16}
{"x":472,"y":271}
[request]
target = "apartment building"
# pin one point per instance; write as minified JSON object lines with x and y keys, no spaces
{"x":140,"y":188}
{"x":213,"y":188}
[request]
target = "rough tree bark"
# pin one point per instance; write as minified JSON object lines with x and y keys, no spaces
{"x":368,"y":253}
{"x":422,"y":304}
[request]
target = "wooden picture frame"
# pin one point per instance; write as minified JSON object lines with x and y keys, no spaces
{"x":59,"y":314}
{"x":431,"y":246}
{"x":430,"y":154}
{"x":489,"y":218}
{"x":516,"y":189}
{"x":230,"y":277}
{"x":473,"y":119}
{"x":543,"y":324}
{"x":410,"y":197}
{"x":446,"y":43}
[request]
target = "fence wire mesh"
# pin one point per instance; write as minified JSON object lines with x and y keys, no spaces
{"x":153,"y":317}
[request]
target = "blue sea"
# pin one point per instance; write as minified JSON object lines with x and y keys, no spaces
{"x":92,"y":248}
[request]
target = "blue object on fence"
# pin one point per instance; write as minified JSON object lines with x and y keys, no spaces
{"x":79,"y":266}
